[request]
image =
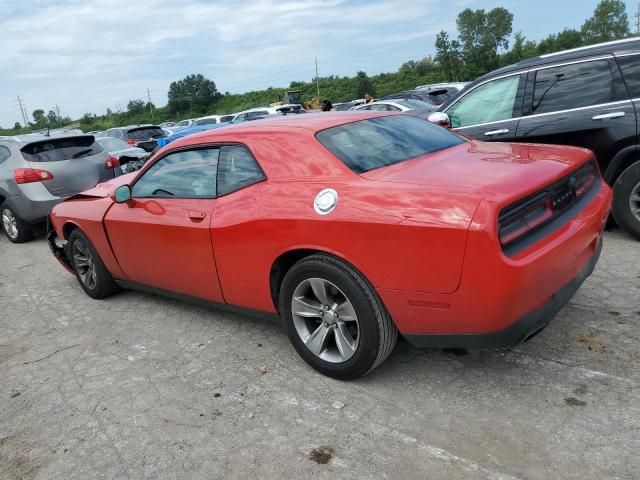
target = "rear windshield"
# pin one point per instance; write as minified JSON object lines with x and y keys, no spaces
{"x":112,"y":144}
{"x":145,"y":133}
{"x":377,"y":142}
{"x":56,"y":150}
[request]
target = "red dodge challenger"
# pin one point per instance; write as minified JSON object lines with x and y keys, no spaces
{"x":351,"y":227}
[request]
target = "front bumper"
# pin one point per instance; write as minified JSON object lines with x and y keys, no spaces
{"x":519,"y":331}
{"x":59,"y":251}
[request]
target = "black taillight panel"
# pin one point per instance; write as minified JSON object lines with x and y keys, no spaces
{"x":520,"y":222}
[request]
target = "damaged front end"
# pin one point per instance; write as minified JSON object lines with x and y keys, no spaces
{"x":57,"y":247}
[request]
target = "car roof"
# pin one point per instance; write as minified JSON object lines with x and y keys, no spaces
{"x":615,"y":47}
{"x":38,"y":137}
{"x":282,"y":124}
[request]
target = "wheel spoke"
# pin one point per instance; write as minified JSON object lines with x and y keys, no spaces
{"x":317,"y":341}
{"x":635,"y":197}
{"x":344,"y":341}
{"x":346,"y":311}
{"x":307,"y":308}
{"x":319,"y":290}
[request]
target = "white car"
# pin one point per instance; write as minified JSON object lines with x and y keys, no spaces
{"x":457,"y":86}
{"x":183,"y":124}
{"x":264,"y":111}
{"x":213,"y":119}
{"x":395,"y":105}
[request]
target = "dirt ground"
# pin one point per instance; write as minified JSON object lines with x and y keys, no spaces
{"x":139,"y":386}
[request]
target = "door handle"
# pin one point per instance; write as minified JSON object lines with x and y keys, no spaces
{"x":197,"y":215}
{"x":607,"y":116}
{"x":496,"y":132}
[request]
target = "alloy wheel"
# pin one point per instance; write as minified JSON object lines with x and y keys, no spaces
{"x":10,"y":223}
{"x":84,"y":264}
{"x":325,"y":320}
{"x":634,"y":201}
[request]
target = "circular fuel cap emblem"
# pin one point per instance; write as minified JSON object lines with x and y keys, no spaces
{"x":325,"y":201}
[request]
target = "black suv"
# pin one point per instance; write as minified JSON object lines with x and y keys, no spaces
{"x":585,"y":97}
{"x":142,"y":136}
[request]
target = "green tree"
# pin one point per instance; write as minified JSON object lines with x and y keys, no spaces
{"x":609,"y":22}
{"x":481,"y":34}
{"x":53,"y":120}
{"x":564,"y":40}
{"x":364,"y":85}
{"x":448,"y":56}
{"x":136,"y":107}
{"x":39,"y":118}
{"x":17,"y":126}
{"x":88,"y":119}
{"x":193,"y":93}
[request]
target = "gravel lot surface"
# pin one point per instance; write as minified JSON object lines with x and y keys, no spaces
{"x":139,"y":386}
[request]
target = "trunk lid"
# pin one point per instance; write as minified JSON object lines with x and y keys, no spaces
{"x":489,"y":170}
{"x":77,"y":163}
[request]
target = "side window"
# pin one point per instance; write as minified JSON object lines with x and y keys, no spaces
{"x":393,"y":108}
{"x":238,"y":169}
{"x":630,"y":66}
{"x":379,"y":107}
{"x":574,"y":86}
{"x":4,"y":154}
{"x":187,"y":174}
{"x":491,"y":102}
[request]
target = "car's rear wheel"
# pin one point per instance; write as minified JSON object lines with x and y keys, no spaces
{"x":16,"y":229}
{"x":626,"y":200}
{"x":93,"y":276}
{"x":334,"y":318}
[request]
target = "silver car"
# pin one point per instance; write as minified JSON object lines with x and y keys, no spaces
{"x":131,"y":158}
{"x":38,"y":171}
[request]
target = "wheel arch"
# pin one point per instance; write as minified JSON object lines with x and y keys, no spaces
{"x":68,"y":227}
{"x":620,"y":162}
{"x":283,"y":263}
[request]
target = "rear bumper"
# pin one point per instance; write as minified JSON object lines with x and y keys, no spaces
{"x":33,"y":204}
{"x":522,"y":329}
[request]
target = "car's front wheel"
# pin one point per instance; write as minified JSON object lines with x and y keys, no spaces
{"x":93,"y":276}
{"x":334,"y":318}
{"x":16,"y":230}
{"x":626,"y":200}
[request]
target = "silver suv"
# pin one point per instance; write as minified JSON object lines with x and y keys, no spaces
{"x":38,"y":171}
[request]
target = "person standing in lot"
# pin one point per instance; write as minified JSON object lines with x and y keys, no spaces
{"x":326,"y":106}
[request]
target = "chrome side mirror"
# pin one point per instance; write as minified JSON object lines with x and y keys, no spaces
{"x":440,"y":118}
{"x":122,"y":194}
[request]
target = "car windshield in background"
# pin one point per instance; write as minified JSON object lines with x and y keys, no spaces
{"x":113,"y":144}
{"x":145,"y":133}
{"x":205,"y":121}
{"x":60,"y":149}
{"x":378,"y":142}
{"x":412,"y":103}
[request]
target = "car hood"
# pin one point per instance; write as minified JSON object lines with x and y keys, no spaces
{"x":105,"y":189}
{"x":495,"y":170}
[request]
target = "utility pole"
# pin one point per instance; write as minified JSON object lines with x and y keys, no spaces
{"x":23,"y":112}
{"x":637,"y":15}
{"x":59,"y":116}
{"x":317,"y":80}
{"x":150,"y":106}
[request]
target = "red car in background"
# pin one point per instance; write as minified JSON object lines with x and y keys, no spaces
{"x":352,"y":227}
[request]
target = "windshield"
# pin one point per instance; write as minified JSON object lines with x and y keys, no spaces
{"x":112,"y":144}
{"x":412,"y":103}
{"x":145,"y":133}
{"x":60,"y":149}
{"x":377,"y":142}
{"x":205,"y":121}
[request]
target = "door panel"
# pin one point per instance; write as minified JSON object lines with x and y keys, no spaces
{"x":166,"y":243}
{"x":583,"y":104}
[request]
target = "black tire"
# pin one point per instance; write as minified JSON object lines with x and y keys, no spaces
{"x":21,"y":231}
{"x":102,"y":284}
{"x":377,"y":333}
{"x":627,"y":184}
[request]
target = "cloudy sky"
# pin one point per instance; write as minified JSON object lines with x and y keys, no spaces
{"x":86,"y":56}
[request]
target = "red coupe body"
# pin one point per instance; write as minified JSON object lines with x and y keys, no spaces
{"x":425,"y":232}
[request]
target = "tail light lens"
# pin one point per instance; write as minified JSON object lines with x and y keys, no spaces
{"x":30,"y":175}
{"x":524,"y":217}
{"x":132,"y":142}
{"x":112,"y":162}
